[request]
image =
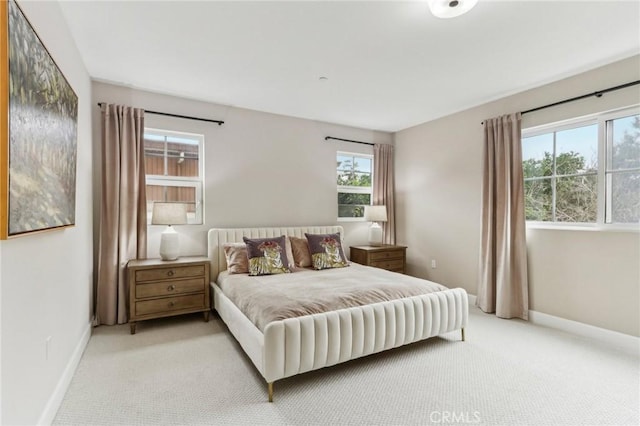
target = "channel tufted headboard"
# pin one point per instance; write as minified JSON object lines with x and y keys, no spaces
{"x":217,"y":237}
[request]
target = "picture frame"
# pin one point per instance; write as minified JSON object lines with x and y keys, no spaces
{"x":38,"y":132}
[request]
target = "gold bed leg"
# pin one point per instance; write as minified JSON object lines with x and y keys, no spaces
{"x":270,"y":385}
{"x":462,"y":330}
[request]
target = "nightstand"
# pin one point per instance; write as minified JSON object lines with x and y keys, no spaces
{"x":389,"y":257}
{"x":160,"y":288}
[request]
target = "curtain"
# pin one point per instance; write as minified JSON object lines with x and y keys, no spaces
{"x":503,"y":286}
{"x":123,"y":210}
{"x":383,"y":188}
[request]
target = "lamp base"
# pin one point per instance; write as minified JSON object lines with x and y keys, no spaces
{"x":375,"y":235}
{"x":169,"y":244}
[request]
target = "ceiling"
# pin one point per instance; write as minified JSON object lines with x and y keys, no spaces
{"x":388,"y":65}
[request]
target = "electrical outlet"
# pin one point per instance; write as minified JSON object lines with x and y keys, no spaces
{"x":433,"y":264}
{"x":47,"y":347}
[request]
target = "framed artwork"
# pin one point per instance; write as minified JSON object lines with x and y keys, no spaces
{"x":38,"y":137}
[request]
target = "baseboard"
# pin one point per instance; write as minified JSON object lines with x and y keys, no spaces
{"x":624,"y":342}
{"x":51,"y":409}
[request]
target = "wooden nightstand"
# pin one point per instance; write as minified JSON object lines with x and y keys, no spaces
{"x":160,"y":288}
{"x":389,"y":257}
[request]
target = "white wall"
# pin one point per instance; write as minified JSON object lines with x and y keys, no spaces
{"x":0,"y":333}
{"x":587,"y":276}
{"x":260,"y":169}
{"x":46,"y":278}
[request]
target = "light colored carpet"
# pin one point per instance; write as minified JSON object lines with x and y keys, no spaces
{"x":181,"y":371}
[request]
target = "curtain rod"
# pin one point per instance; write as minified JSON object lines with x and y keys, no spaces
{"x":348,"y":140}
{"x":597,"y":94}
{"x":220,"y":123}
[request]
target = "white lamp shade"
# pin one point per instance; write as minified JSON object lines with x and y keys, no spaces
{"x":375,"y":213}
{"x":169,"y":214}
{"x":450,"y":8}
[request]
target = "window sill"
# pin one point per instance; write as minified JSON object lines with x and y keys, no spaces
{"x":635,"y":228}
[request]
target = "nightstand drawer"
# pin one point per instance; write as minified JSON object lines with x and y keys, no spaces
{"x":391,"y":265}
{"x":169,"y":304}
{"x":388,"y":254}
{"x":166,"y":288}
{"x":170,"y":272}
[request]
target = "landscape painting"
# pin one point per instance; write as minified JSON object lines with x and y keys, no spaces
{"x":42,"y":136}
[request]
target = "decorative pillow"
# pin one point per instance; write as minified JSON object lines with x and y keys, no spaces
{"x":237,"y":258}
{"x":267,"y":255}
{"x":326,"y":251}
{"x":300,"y":249}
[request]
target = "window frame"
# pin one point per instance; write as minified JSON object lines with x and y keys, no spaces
{"x":354,"y":189}
{"x":196,"y":182}
{"x":604,"y":158}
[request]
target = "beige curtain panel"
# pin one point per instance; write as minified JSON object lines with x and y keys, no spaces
{"x":123,"y":210}
{"x":503,"y":286}
{"x":383,"y":188}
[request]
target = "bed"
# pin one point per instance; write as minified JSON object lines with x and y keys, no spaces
{"x":283,"y":348}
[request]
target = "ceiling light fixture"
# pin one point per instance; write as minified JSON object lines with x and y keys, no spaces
{"x":450,"y":8}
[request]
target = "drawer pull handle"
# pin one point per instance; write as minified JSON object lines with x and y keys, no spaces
{"x":171,"y":304}
{"x":171,"y":287}
{"x":170,"y":273}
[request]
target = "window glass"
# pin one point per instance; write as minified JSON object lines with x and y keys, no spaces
{"x":174,"y":170}
{"x":171,"y":156}
{"x":625,"y":198}
{"x":538,"y":200}
{"x":560,"y":172}
{"x":537,"y":155}
{"x":623,"y":171}
{"x":354,"y":181}
{"x":577,"y":150}
{"x":626,"y":143}
{"x":576,"y":199}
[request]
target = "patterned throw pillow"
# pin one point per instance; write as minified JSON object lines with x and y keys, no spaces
{"x":237,"y":259}
{"x":326,"y":251}
{"x":300,"y":249}
{"x":267,"y":255}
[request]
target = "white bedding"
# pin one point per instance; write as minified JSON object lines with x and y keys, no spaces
{"x":268,"y":298}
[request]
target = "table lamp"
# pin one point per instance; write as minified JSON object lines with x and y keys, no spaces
{"x":375,"y":214}
{"x":169,"y":214}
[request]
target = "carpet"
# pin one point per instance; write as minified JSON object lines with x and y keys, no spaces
{"x":183,"y":371}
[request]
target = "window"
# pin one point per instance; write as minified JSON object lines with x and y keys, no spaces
{"x":586,"y":171}
{"x":174,"y":170}
{"x":355,"y":187}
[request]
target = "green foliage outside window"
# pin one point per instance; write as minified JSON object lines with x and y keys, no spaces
{"x":576,"y":196}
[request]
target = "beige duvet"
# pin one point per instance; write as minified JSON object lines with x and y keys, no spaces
{"x":268,"y":298}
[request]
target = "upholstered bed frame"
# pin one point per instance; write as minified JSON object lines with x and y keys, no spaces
{"x":297,"y":345}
